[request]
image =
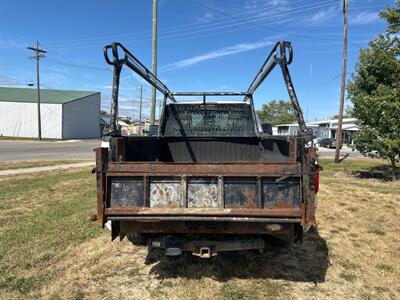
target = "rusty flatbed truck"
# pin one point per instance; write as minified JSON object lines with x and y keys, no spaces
{"x":211,"y":180}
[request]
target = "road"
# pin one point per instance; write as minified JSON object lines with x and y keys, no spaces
{"x":57,"y":150}
{"x":83,"y":149}
{"x":344,"y":152}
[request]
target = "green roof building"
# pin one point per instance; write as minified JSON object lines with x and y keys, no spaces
{"x":64,"y":114}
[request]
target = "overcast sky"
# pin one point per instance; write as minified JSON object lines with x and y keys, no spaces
{"x":203,"y":45}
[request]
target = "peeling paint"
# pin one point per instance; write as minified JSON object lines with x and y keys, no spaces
{"x":165,"y":192}
{"x":202,"y":192}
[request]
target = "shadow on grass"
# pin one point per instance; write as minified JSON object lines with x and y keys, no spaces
{"x":381,"y":172}
{"x":306,"y":262}
{"x":344,"y":157}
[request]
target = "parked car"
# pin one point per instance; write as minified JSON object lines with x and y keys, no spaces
{"x":153,"y":130}
{"x":328,"y":143}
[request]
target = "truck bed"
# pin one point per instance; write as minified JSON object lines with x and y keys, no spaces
{"x":183,"y":193}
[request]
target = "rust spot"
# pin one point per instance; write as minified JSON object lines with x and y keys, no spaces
{"x":94,"y":217}
{"x":278,"y":205}
{"x":282,"y":204}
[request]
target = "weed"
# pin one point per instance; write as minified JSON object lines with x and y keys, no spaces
{"x":348,"y":277}
{"x":352,"y":209}
{"x":376,"y":230}
{"x":385,"y":268}
{"x":22,"y":284}
{"x":232,"y":291}
{"x":381,"y":289}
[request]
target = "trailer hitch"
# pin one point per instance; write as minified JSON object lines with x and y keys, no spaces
{"x":205,"y":248}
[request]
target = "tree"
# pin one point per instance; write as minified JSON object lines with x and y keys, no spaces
{"x":103,"y":113}
{"x":348,"y":113}
{"x":277,"y":112}
{"x":374,"y":90}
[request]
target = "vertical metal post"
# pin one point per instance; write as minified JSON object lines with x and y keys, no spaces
{"x":140,"y":110}
{"x":159,"y":112}
{"x":164,"y":103}
{"x":114,"y":100}
{"x":253,"y":113}
{"x":343,"y":85}
{"x":154,"y":63}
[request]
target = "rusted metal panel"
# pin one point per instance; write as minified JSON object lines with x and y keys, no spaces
{"x":229,"y":212}
{"x":182,"y":195}
{"x":126,"y":192}
{"x":202,"y":192}
{"x":214,"y":225}
{"x":205,"y":221}
{"x":292,"y":149}
{"x":241,"y":192}
{"x":146,"y":184}
{"x":165,"y":192}
{"x":101,"y":167}
{"x":312,"y":153}
{"x":283,"y":194}
{"x":117,"y":149}
{"x":203,"y":169}
{"x":310,"y":168}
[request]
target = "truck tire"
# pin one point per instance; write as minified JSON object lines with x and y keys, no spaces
{"x":136,"y":238}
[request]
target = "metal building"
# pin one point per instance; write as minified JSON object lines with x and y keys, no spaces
{"x":64,"y":114}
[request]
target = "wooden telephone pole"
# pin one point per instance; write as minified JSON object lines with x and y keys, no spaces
{"x":39,"y":53}
{"x":343,"y":86}
{"x":140,"y":109}
{"x":154,"y":62}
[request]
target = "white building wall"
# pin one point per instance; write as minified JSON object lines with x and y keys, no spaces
{"x":20,"y":119}
{"x":81,"y":118}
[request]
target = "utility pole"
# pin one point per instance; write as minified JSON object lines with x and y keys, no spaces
{"x":39,"y":53}
{"x":308,"y":91}
{"x":140,"y":109}
{"x":154,"y":62}
{"x":133,"y":110}
{"x":343,"y":86}
{"x":159,"y":112}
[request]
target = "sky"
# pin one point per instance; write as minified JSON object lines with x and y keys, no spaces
{"x":203,"y":45}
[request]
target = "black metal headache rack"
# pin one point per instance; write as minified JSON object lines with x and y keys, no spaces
{"x":281,"y":54}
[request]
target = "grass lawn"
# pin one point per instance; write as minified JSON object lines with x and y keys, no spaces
{"x":7,"y":165}
{"x":50,"y":249}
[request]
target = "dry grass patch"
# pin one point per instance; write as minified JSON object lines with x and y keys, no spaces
{"x":53,"y":251}
{"x":8,"y":165}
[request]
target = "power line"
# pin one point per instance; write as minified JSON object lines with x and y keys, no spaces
{"x":175,"y":28}
{"x":174,"y":32}
{"x":256,"y":24}
{"x":76,"y":65}
{"x":188,"y":30}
